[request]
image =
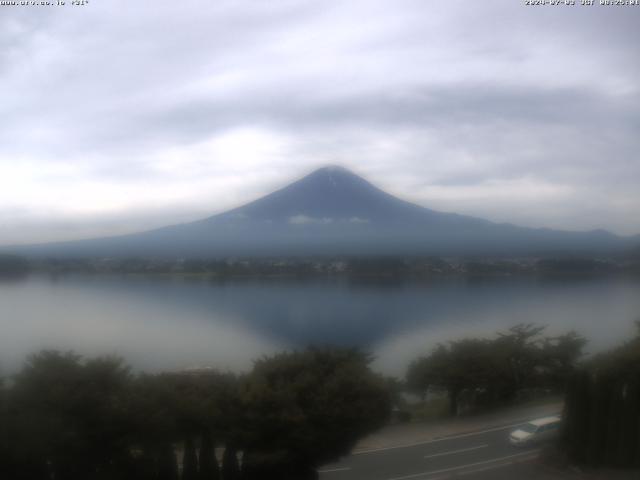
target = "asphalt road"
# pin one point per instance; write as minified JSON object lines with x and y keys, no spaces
{"x":478,"y":455}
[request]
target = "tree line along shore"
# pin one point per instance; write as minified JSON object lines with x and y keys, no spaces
{"x":351,"y":266}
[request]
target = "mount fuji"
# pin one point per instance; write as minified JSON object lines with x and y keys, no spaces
{"x":332,"y":211}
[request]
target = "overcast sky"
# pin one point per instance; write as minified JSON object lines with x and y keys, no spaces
{"x":121,"y":116}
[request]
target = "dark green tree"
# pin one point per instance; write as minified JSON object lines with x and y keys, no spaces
{"x":630,"y":430}
{"x":609,"y":434}
{"x":575,"y":429}
{"x":493,"y":371}
{"x":469,"y":365}
{"x":306,"y":408}
{"x":209,"y":469}
{"x":230,"y":467}
{"x":189,"y":461}
{"x":70,"y":415}
{"x":521,"y":348}
{"x":167,"y":463}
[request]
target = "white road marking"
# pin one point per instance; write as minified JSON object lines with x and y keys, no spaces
{"x":500,"y":465}
{"x":453,"y":452}
{"x":461,"y":467}
{"x":486,"y":469}
{"x":331,"y":470}
{"x":483,"y":469}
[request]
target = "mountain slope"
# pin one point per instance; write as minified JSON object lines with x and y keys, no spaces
{"x":334,"y":212}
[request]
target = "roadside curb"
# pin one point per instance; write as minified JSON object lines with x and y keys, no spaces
{"x":492,"y":427}
{"x":462,"y":433}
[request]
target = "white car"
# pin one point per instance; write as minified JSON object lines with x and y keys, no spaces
{"x":536,"y":431}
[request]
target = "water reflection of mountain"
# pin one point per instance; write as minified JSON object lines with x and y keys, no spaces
{"x":158,"y":318}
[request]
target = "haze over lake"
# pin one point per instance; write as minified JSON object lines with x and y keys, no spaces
{"x":174,"y":322}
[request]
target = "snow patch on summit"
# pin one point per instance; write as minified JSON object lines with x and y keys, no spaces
{"x":307,"y":220}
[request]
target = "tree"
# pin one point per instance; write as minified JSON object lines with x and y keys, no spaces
{"x":230,"y":467}
{"x":559,"y":357}
{"x":465,"y":365}
{"x":209,"y":469}
{"x":70,"y":418}
{"x":521,"y":347}
{"x":602,"y":414}
{"x":307,"y":408}
{"x":69,"y":414}
{"x":180,"y":408}
{"x":190,"y":461}
{"x":167,"y":463}
{"x":493,"y":371}
{"x":575,"y":430}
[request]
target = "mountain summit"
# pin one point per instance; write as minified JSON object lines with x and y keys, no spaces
{"x":330,"y":194}
{"x":332,"y":211}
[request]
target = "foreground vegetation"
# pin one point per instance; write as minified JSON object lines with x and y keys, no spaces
{"x":601,"y":420}
{"x":477,"y":373}
{"x":602,"y":414}
{"x":63,"y":417}
{"x":66,"y":418}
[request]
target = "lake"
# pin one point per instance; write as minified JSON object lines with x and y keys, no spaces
{"x":166,"y":322}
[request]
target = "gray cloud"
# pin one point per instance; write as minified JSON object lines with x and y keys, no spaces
{"x":114,"y":110}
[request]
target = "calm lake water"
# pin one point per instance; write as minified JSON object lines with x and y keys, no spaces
{"x":176,"y":322}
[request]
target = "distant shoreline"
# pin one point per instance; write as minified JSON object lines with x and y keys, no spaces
{"x":383,"y":268}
